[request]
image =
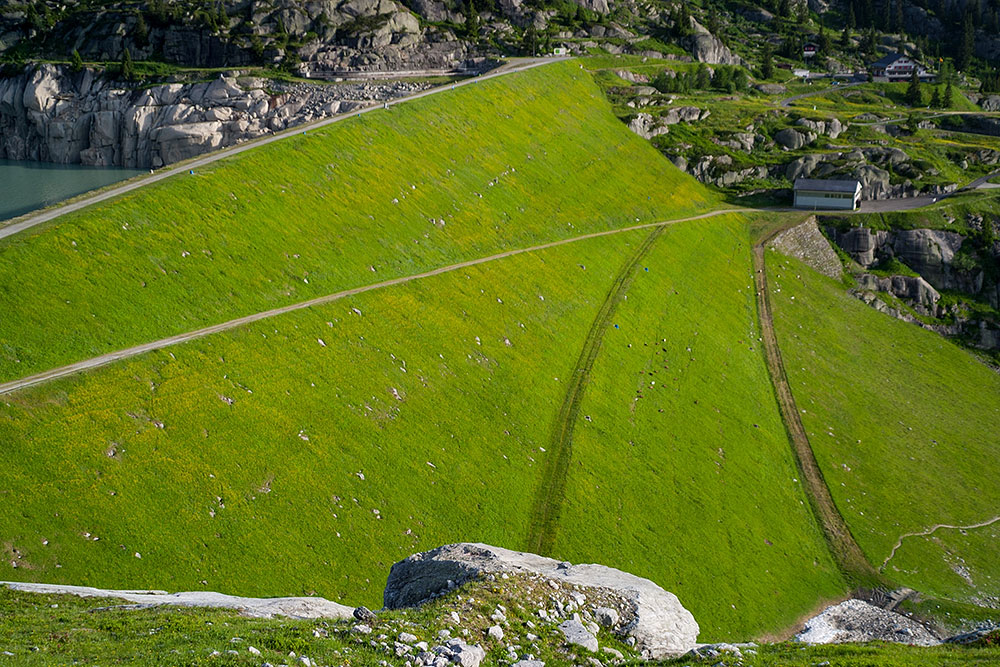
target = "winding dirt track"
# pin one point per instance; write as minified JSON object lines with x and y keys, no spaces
{"x":552,"y":489}
{"x":845,"y":550}
{"x":932,"y":530}
{"x":136,"y":350}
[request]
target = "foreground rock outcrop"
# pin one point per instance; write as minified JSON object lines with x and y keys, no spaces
{"x":51,"y":114}
{"x":656,"y":620}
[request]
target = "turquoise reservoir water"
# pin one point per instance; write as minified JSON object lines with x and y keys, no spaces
{"x":26,"y":186}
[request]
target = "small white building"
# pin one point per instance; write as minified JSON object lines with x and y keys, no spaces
{"x":821,"y":194}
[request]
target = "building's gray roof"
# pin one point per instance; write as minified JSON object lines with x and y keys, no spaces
{"x":823,"y":185}
{"x":887,"y":60}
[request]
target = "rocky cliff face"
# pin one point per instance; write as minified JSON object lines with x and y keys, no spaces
{"x":929,"y":252}
{"x":50,"y":114}
{"x":944,"y":261}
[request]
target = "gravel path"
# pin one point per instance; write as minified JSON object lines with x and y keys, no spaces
{"x":932,"y":530}
{"x":134,"y":351}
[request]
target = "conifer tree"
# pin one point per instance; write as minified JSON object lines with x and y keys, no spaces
{"x":936,"y":98}
{"x":914,"y":96}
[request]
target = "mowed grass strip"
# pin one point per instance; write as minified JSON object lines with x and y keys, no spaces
{"x":510,"y":162}
{"x":681,"y":468}
{"x":903,"y":422}
{"x":309,"y":452}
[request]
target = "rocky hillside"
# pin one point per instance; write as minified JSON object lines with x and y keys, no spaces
{"x":943,"y":280}
{"x":52,"y":114}
{"x":334,"y":35}
{"x":324,"y":37}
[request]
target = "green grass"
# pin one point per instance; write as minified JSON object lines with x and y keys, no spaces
{"x":224,"y":490}
{"x":680,"y":462}
{"x":881,"y":98}
{"x":66,"y":630}
{"x":860,"y":655}
{"x":265,"y":429}
{"x":317,"y":212}
{"x":172,"y":477}
{"x":903,"y":424}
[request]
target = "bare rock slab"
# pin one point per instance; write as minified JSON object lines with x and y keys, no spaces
{"x":659,"y":623}
{"x":858,"y":621}
{"x":254,"y":607}
{"x":575,"y":633}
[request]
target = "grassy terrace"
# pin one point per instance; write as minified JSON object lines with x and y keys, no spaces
{"x":681,"y":464}
{"x":903,"y":424}
{"x":389,"y":194}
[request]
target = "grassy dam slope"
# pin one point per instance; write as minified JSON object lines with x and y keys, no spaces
{"x":311,"y":451}
{"x":503,"y":164}
{"x":904,"y":426}
{"x":613,"y":385}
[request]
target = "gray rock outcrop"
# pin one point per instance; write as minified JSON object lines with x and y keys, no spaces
{"x":807,"y":243}
{"x":51,"y":114}
{"x":833,"y":128}
{"x":931,"y":253}
{"x":576,"y":633}
{"x":861,"y":243}
{"x":771,"y":88}
{"x":913,"y":289}
{"x":254,"y":607}
{"x":858,"y":621}
{"x":792,"y":139}
{"x":707,"y":48}
{"x":660,"y":625}
{"x":990,"y":103}
{"x":870,"y":166}
{"x":647,"y":126}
